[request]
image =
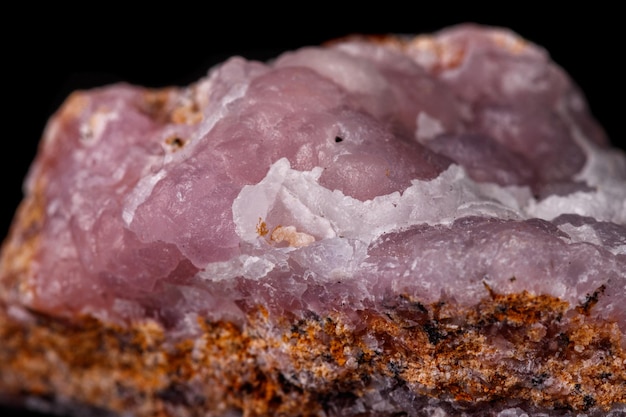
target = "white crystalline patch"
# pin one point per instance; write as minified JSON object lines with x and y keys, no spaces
{"x":587,"y":234}
{"x":604,"y":168}
{"x":428,"y":127}
{"x":584,"y":233}
{"x":503,"y":123}
{"x":237,"y":91}
{"x":91,"y":131}
{"x":294,"y":204}
{"x":532,"y":79}
{"x":604,"y":204}
{"x":140,"y":193}
{"x":605,"y":171}
{"x":250,"y":267}
{"x":286,"y":196}
{"x":333,"y":259}
{"x":280,"y":184}
{"x":20,"y":314}
{"x":512,"y":412}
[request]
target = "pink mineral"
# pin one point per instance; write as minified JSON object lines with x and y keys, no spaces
{"x":399,"y":226}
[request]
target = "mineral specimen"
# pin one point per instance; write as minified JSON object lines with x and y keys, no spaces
{"x":428,"y":226}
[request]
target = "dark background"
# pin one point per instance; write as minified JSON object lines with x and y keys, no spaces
{"x":47,"y":53}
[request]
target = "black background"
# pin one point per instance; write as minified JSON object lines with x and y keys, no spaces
{"x":47,"y":53}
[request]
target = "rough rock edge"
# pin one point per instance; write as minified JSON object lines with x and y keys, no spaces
{"x":81,"y":363}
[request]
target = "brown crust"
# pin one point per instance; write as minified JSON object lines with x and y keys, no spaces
{"x":19,"y":248}
{"x":471,"y":356}
{"x":165,"y":106}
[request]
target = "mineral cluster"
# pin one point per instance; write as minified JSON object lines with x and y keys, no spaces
{"x":426,"y":226}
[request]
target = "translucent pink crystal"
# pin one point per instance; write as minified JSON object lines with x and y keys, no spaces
{"x":140,"y":208}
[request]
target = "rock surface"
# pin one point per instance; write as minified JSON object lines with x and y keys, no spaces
{"x":430,"y":226}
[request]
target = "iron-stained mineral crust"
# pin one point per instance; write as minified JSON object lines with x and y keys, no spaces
{"x":427,"y":226}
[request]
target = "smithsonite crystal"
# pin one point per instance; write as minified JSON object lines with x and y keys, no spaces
{"x":425,"y":226}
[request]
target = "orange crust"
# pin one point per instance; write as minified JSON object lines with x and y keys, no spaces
{"x":164,"y":106}
{"x":19,"y":248}
{"x":474,"y":355}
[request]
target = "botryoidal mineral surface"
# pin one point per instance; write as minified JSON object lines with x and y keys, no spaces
{"x":416,"y":226}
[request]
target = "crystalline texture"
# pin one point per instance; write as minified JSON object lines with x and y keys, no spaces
{"x":420,"y":225}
